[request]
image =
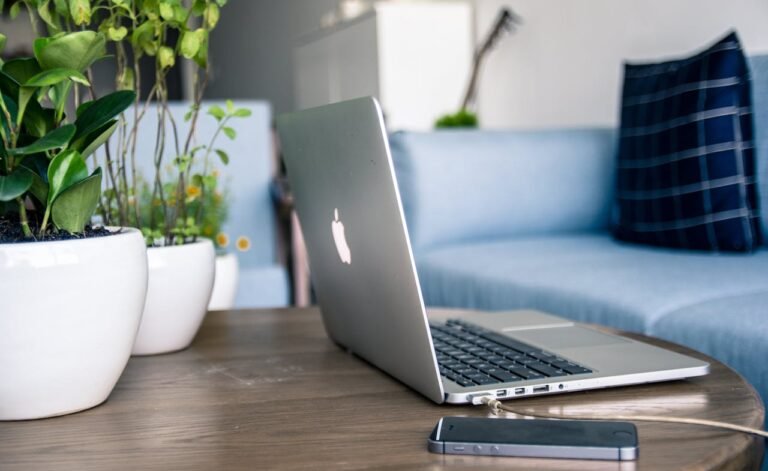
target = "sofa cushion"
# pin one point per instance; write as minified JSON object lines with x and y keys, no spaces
{"x":588,"y":277}
{"x":732,"y":329}
{"x":686,"y":169}
{"x":469,"y":185}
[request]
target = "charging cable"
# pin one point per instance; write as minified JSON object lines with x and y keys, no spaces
{"x":496,"y":407}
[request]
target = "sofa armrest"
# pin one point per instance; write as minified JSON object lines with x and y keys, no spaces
{"x":474,"y":185}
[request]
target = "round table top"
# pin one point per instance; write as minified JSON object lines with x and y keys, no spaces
{"x":266,"y":389}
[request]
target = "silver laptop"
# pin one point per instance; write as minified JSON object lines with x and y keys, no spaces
{"x":365,"y":279}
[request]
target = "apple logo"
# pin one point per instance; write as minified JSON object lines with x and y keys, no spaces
{"x":340,"y":239}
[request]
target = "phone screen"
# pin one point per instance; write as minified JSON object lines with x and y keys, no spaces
{"x":573,"y":433}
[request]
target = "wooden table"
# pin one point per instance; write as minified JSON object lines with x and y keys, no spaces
{"x":267,"y":390}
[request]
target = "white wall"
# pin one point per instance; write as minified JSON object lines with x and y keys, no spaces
{"x":563,"y":67}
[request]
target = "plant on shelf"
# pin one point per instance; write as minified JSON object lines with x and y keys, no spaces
{"x":46,"y":189}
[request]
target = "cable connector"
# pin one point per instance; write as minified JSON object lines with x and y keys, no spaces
{"x":481,"y":399}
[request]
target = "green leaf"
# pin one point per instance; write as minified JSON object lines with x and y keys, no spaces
{"x":25,"y":95}
{"x":212,"y":15}
{"x":117,"y":34}
{"x":126,"y":81}
{"x":14,"y":185}
{"x":71,"y":51}
{"x":15,"y":9}
{"x":65,"y":170}
{"x":45,"y":14}
{"x":242,"y":113}
{"x":3,"y":40}
{"x":62,"y":9}
{"x":223,"y":156}
{"x":56,"y":139}
{"x":51,"y":77}
{"x":22,"y":69}
{"x":97,"y":138}
{"x":229,"y":132}
{"x":102,"y":111}
{"x":39,"y":188}
{"x":80,"y":11}
{"x":191,"y":42}
{"x":74,"y":207}
{"x":201,"y":58}
{"x":166,"y":11}
{"x":221,"y":3}
{"x":216,"y":112}
{"x":230,"y":106}
{"x":198,"y":7}
{"x":143,"y":37}
{"x":165,"y":57}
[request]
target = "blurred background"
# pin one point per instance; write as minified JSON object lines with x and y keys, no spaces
{"x":546,"y":64}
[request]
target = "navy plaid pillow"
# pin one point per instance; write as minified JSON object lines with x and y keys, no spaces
{"x":686,"y":165}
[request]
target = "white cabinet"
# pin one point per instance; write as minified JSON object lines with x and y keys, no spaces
{"x":414,"y":57}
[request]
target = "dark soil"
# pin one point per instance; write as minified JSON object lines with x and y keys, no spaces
{"x":10,"y":232}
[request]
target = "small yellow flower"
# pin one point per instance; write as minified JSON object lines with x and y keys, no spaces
{"x":193,"y":191}
{"x":208,"y":230}
{"x":243,"y":243}
{"x":222,"y":239}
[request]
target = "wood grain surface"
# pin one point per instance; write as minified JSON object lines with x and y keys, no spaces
{"x":266,"y":389}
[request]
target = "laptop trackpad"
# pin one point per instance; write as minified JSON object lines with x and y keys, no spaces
{"x":558,"y":338}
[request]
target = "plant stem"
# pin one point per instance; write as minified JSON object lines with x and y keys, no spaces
{"x":24,"y":219}
{"x":43,"y":225}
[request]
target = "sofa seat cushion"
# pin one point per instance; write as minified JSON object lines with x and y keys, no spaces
{"x":732,"y":329}
{"x":587,"y":277}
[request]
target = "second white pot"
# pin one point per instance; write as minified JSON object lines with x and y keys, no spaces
{"x":180,"y":284}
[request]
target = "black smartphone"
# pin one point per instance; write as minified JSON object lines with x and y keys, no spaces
{"x":576,"y":439}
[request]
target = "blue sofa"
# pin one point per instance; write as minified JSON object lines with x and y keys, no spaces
{"x":506,"y":220}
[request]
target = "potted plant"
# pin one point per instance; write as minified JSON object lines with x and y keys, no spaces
{"x":180,"y":286}
{"x":71,"y":295}
{"x":181,"y":263}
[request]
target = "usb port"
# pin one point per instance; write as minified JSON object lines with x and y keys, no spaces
{"x":519,"y":391}
{"x":540,"y":389}
{"x":501,"y":393}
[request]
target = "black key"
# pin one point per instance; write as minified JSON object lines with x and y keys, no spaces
{"x":507,"y":364}
{"x":525,"y":373}
{"x":509,"y":343}
{"x":546,"y":370}
{"x":577,"y":370}
{"x":452,"y":364}
{"x":543,"y":356}
{"x":465,"y":382}
{"x":467,"y":371}
{"x":527,"y":361}
{"x":482,"y":379}
{"x":464,"y":357}
{"x":495,"y":359}
{"x":473,"y":361}
{"x":475,"y":350}
{"x":483,"y":366}
{"x":505,"y":376}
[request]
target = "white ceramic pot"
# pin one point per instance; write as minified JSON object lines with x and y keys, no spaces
{"x":69,"y":313}
{"x":225,"y":283}
{"x":180,"y":283}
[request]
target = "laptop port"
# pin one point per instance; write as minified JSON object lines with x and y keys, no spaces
{"x":519,"y":391}
{"x":540,"y":389}
{"x":501,"y":393}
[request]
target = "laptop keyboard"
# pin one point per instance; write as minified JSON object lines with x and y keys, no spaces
{"x":470,"y":356}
